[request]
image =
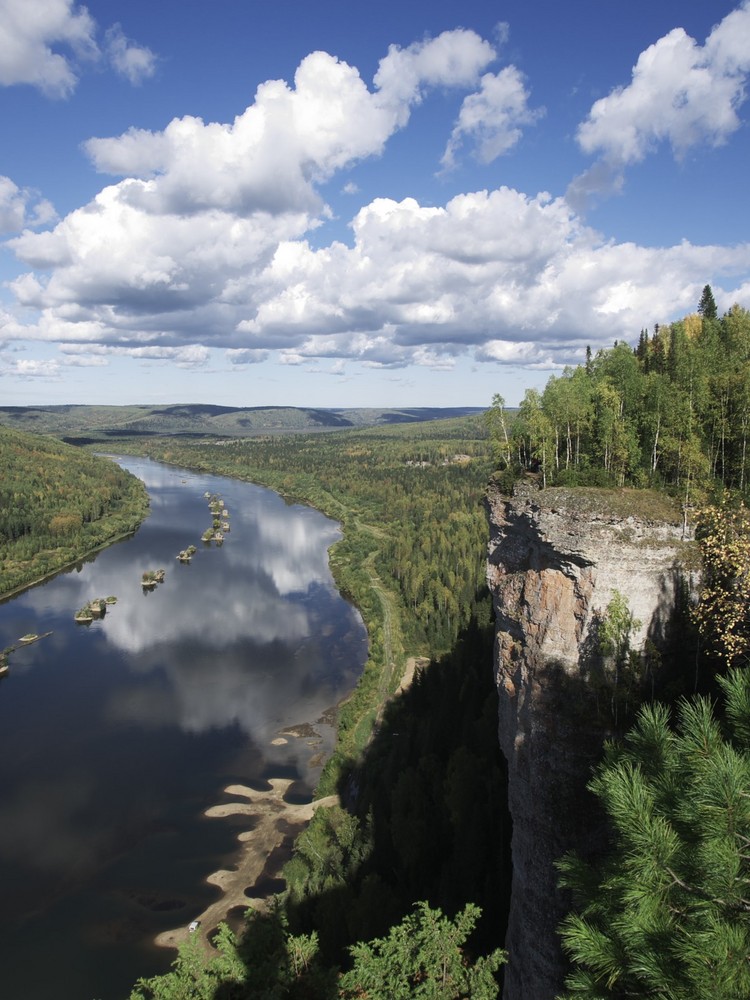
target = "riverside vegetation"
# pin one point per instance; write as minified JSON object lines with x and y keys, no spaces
{"x":58,"y":504}
{"x":421,"y":778}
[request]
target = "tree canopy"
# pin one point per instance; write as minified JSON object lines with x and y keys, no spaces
{"x":673,"y":412}
{"x":666,"y":912}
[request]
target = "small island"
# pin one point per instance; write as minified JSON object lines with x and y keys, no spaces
{"x":95,"y":608}
{"x":151,"y":577}
{"x":185,"y":555}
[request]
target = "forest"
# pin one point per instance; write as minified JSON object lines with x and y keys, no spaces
{"x":403,"y":889}
{"x":671,"y":413}
{"x":57,"y":504}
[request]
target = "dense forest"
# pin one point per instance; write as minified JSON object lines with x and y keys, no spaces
{"x":672,"y":413}
{"x":57,"y":503}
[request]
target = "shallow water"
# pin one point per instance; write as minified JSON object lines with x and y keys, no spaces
{"x":116,"y":736}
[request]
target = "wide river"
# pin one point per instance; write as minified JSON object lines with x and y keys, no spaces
{"x":115,"y":737}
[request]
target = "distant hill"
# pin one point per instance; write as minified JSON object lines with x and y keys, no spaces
{"x":90,"y":424}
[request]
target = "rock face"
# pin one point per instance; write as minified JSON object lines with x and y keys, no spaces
{"x":555,"y":558}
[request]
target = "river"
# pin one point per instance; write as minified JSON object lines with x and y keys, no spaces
{"x":117,"y":736}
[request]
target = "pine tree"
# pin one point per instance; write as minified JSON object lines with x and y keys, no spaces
{"x":423,"y":957}
{"x":666,"y":913}
{"x":707,"y":305}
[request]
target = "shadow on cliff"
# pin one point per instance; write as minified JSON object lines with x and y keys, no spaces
{"x":430,"y":796}
{"x":670,"y":665}
{"x":575,"y":712}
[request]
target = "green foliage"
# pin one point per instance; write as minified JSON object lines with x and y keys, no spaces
{"x":707,"y":304}
{"x":58,"y":503}
{"x":666,"y":912}
{"x":423,"y":957}
{"x":265,"y":962}
{"x":193,"y":976}
{"x":327,"y":854}
{"x":430,"y":795}
{"x":673,"y":413}
{"x":616,"y":630}
{"x":723,"y":614}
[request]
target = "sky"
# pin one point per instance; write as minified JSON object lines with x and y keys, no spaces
{"x":340,"y":204}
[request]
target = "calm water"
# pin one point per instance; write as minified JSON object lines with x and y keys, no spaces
{"x":115,"y":737}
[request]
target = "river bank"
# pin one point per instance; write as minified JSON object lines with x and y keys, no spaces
{"x":274,"y":825}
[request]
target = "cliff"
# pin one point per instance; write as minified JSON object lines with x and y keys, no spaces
{"x":555,"y":559}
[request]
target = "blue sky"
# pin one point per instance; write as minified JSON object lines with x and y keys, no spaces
{"x":339,"y":204}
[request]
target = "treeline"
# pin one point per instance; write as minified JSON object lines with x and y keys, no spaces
{"x":58,"y":503}
{"x":673,"y":412}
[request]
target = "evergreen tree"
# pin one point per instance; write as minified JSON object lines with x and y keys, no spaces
{"x":666,"y":913}
{"x":423,"y":957}
{"x":707,"y":305}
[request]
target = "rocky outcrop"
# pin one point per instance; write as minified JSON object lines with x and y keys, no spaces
{"x":555,"y":559}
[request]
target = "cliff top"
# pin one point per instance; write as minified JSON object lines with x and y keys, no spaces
{"x":593,"y":503}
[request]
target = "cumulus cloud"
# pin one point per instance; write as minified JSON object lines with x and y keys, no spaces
{"x":27,"y":38}
{"x":506,"y":277}
{"x":492,"y":117}
{"x":135,"y":62}
{"x":205,"y":243}
{"x":681,"y":93}
{"x":273,"y":155}
{"x":20,"y":208}
{"x":33,"y":31}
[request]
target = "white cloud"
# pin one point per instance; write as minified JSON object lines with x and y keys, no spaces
{"x":28,"y":32}
{"x":204,"y":244}
{"x":135,"y":62}
{"x":489,"y":273}
{"x":492,"y":117}
{"x":453,"y":59}
{"x":681,"y":93}
{"x":21,"y":207}
{"x":272,"y":156}
{"x":33,"y":31}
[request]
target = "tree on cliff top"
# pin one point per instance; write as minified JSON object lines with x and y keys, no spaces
{"x":723,"y":614}
{"x":666,"y":913}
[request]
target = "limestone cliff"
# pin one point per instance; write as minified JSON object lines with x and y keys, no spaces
{"x":555,"y":558}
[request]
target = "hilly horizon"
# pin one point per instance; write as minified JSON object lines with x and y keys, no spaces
{"x":83,"y":423}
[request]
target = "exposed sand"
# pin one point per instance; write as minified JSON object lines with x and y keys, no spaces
{"x":274,"y":822}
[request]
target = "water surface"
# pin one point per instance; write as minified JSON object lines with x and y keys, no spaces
{"x":116,"y":736}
